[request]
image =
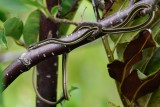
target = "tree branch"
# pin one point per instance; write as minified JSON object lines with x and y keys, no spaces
{"x":33,"y":57}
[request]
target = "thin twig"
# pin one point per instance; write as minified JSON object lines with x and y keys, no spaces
{"x":95,"y":8}
{"x":59,"y":20}
{"x":107,"y":48}
{"x":82,"y":15}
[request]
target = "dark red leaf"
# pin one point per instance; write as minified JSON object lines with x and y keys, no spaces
{"x":133,"y":53}
{"x":143,"y":41}
{"x":133,"y":87}
{"x":115,"y":70}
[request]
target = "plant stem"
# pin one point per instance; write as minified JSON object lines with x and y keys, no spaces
{"x":108,"y":48}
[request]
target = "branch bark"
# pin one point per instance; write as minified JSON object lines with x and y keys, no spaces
{"x":33,"y":57}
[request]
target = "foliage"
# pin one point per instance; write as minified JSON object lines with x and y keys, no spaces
{"x":13,"y":27}
{"x":3,"y":41}
{"x":136,"y":69}
{"x":54,"y":10}
{"x":134,"y":86}
{"x":1,"y":87}
{"x":31,"y":28}
{"x":69,"y":9}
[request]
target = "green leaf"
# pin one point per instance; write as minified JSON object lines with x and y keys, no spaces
{"x":2,"y":15}
{"x":155,"y":25}
{"x":73,"y":88}
{"x":13,"y":27}
{"x":1,"y":87}
{"x":68,"y":6}
{"x":147,"y":54}
{"x":156,"y":28}
{"x":141,"y":75}
{"x":69,"y":9}
{"x":3,"y":40}
{"x":33,"y":3}
{"x":1,"y":26}
{"x":31,"y":28}
{"x":154,"y":63}
{"x":155,"y":99}
{"x":54,"y":10}
{"x":157,"y":38}
{"x":121,"y":48}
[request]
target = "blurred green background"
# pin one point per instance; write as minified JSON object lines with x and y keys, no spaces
{"x":87,"y":67}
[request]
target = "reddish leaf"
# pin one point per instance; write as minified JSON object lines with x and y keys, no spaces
{"x":133,"y":51}
{"x":133,"y":87}
{"x":143,"y":41}
{"x":132,"y":54}
{"x":115,"y":70}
